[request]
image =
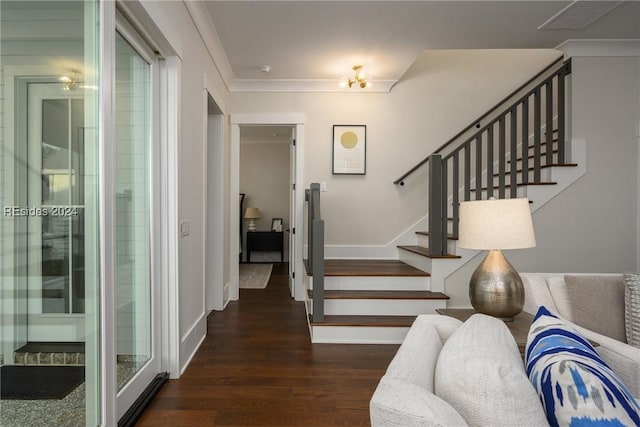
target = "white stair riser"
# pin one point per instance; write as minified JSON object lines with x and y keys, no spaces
{"x":358,"y":334}
{"x":424,"y":241}
{"x":415,"y":260}
{"x":361,"y":283}
{"x":371,"y":307}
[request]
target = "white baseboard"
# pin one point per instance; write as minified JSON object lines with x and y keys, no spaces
{"x":191,"y":341}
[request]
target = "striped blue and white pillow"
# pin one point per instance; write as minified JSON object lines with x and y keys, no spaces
{"x":575,"y":385}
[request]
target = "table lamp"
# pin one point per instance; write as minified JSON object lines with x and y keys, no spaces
{"x":495,"y":287}
{"x":252,"y":214}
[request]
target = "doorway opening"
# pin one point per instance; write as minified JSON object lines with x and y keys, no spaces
{"x":217,"y":288}
{"x":271,"y":183}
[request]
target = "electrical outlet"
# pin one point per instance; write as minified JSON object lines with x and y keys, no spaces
{"x":323,"y":186}
{"x":184,"y":228}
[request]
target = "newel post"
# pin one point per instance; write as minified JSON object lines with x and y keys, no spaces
{"x":437,"y":216}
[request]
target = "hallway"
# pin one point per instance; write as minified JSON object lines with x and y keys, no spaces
{"x":257,"y":367}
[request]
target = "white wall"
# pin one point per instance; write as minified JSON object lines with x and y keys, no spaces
{"x":197,"y":73}
{"x":439,"y":95}
{"x":264,"y":178}
{"x":591,"y":226}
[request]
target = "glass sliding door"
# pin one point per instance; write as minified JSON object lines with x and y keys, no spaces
{"x":133,"y":260}
{"x":138,"y":359}
{"x":49,"y":247}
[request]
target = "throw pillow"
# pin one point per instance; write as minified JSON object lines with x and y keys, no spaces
{"x":575,"y":385}
{"x":536,"y":293}
{"x":396,"y":403}
{"x":415,"y":360}
{"x":632,"y":308}
{"x":480,"y":373}
{"x":596,"y":303}
{"x":558,"y":289}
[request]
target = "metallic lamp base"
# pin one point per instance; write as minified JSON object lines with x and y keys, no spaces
{"x":496,"y":287}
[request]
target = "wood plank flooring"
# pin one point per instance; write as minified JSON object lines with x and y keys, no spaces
{"x":257,"y":367}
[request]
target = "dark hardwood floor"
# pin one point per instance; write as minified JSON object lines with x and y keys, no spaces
{"x":257,"y":367}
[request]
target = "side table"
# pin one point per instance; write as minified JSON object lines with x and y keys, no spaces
{"x":265,"y":241}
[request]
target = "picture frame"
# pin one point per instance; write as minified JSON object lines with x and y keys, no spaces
{"x":349,"y":150}
{"x":276,"y":224}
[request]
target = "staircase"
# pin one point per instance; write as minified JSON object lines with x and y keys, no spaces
{"x":372,"y":301}
{"x":376,"y":301}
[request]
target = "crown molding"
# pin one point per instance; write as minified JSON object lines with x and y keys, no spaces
{"x":624,"y":47}
{"x":202,"y":21}
{"x":283,"y":85}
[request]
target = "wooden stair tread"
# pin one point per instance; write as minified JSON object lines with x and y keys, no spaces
{"x":368,"y":268}
{"x":520,"y":184}
{"x":421,"y":250}
{"x":389,"y":295}
{"x":426,"y":233}
{"x":377,"y":321}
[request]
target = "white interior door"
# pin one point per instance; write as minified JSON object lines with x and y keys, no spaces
{"x":55,"y":214}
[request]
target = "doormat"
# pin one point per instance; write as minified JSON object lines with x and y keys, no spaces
{"x":19,"y":382}
{"x":255,"y":276}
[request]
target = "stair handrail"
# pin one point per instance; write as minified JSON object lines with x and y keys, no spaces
{"x":493,"y":152}
{"x":315,"y":249}
{"x":477,"y":123}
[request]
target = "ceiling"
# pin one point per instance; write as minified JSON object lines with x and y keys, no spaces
{"x":312,"y":45}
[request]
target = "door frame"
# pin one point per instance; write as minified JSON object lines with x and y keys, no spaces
{"x":216,"y":291}
{"x":37,"y":329}
{"x":16,"y":78}
{"x":297,"y":121}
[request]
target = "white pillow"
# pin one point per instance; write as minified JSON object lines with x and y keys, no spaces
{"x":558,"y":289}
{"x":396,"y":403}
{"x":480,"y":373}
{"x":536,"y":293}
{"x":415,"y":361}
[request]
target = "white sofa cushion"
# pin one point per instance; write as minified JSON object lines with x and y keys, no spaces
{"x":397,"y":403}
{"x":415,"y":360}
{"x":632,"y":308}
{"x":596,"y":303}
{"x":480,"y":373}
{"x":575,"y":385}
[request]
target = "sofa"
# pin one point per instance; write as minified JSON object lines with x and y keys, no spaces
{"x":595,"y":304}
{"x":448,"y":373}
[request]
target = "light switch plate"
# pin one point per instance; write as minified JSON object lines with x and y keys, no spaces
{"x":184,"y":228}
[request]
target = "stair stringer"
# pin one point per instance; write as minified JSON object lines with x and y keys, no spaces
{"x":440,"y":269}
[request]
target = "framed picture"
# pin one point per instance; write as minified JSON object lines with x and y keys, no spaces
{"x":349,"y":150}
{"x":276,"y":224}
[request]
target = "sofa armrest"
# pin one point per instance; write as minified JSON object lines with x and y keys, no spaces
{"x":396,"y":403}
{"x":622,"y":358}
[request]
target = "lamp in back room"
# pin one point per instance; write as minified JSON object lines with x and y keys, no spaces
{"x":496,"y":287}
{"x":252,"y":214}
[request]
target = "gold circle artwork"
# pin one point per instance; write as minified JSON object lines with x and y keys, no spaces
{"x":349,"y":140}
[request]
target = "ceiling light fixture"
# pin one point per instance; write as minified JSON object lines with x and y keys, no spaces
{"x":73,"y":83}
{"x":69,"y":83}
{"x":359,"y":77}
